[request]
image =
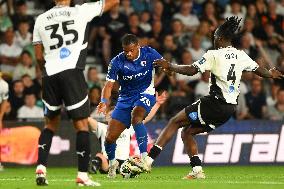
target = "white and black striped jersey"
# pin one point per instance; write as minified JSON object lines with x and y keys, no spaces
{"x":4,"y":90}
{"x":63,"y":32}
{"x":226,"y":66}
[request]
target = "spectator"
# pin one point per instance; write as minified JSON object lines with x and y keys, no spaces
{"x":169,"y":46}
{"x":9,"y":53}
{"x":188,"y":19}
{"x":5,"y":21}
{"x":30,"y":86}
{"x":93,"y":79}
{"x":164,"y":82}
{"x":22,"y":35}
{"x":210,"y":14}
{"x":95,"y":98}
{"x":29,"y":109}
{"x":141,"y":5}
{"x":115,"y":25}
{"x":133,"y":26}
{"x":145,"y":19}
{"x":271,"y":99}
{"x":274,"y":18}
{"x":21,"y":12}
{"x":16,"y":97}
{"x":205,"y":33}
{"x":126,"y":7}
{"x":276,"y":112}
{"x":25,"y":67}
{"x":180,"y":39}
{"x":235,"y":9}
{"x":256,"y":100}
{"x":187,"y":83}
{"x":195,"y":49}
{"x":156,"y":35}
{"x":246,"y":45}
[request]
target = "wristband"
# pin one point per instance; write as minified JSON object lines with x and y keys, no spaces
{"x":104,"y":100}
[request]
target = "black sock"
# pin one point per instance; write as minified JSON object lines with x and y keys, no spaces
{"x":154,"y":152}
{"x":83,"y":150}
{"x":97,"y":162}
{"x":44,"y":144}
{"x":195,"y":161}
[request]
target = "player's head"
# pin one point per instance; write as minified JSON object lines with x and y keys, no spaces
{"x":225,"y":33}
{"x":130,"y":46}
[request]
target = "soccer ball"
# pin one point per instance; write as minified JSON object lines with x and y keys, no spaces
{"x":128,"y":170}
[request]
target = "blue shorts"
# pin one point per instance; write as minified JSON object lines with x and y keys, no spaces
{"x":125,"y":105}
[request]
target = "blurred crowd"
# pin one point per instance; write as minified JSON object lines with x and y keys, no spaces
{"x":181,"y":30}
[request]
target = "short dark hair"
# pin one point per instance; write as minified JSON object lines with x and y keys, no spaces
{"x":129,"y":39}
{"x":27,"y":53}
{"x":229,"y":29}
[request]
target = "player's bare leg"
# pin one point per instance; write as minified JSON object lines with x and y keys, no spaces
{"x":83,"y":151}
{"x":115,"y":128}
{"x":192,"y":150}
{"x":44,"y":144}
{"x":180,"y":120}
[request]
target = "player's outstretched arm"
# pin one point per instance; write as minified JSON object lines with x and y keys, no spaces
{"x":109,"y":4}
{"x":93,"y":123}
{"x":181,"y":69}
{"x":106,"y":93}
{"x":272,"y":73}
{"x":159,"y":101}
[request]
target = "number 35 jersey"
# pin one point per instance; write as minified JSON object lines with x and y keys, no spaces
{"x":63,"y":32}
{"x":226,"y":66}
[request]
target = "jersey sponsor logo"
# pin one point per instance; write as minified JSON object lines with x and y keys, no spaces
{"x":231,"y":89}
{"x":64,"y":53}
{"x":193,"y":116}
{"x":143,"y":63}
{"x":130,"y":77}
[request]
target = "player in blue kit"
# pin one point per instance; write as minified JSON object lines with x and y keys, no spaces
{"x":133,"y":69}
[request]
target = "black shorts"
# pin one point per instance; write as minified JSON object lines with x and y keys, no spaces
{"x":69,"y":88}
{"x":209,"y":113}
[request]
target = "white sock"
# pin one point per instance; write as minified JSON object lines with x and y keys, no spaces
{"x":144,"y":155}
{"x":150,"y":160}
{"x":83,"y":175}
{"x":41,"y":167}
{"x":196,"y":169}
{"x":112,"y":162}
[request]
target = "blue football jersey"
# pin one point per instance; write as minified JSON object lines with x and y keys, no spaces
{"x":135,"y":77}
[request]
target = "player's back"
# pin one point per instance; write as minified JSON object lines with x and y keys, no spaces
{"x":63,"y":32}
{"x":226,"y":66}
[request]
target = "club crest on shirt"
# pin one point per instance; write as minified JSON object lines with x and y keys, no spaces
{"x":143,"y":63}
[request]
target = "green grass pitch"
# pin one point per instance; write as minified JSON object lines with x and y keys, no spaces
{"x":218,"y":177}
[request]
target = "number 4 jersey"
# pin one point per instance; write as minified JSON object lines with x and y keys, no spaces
{"x":226,"y":66}
{"x":63,"y":32}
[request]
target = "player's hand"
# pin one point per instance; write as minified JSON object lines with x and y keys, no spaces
{"x":162,"y":98}
{"x":276,"y":74}
{"x":164,"y":64}
{"x":102,"y":108}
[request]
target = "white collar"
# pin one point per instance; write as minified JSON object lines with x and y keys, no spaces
{"x":138,"y":55}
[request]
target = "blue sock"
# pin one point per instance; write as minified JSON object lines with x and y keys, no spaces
{"x":110,"y":150}
{"x":141,"y":137}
